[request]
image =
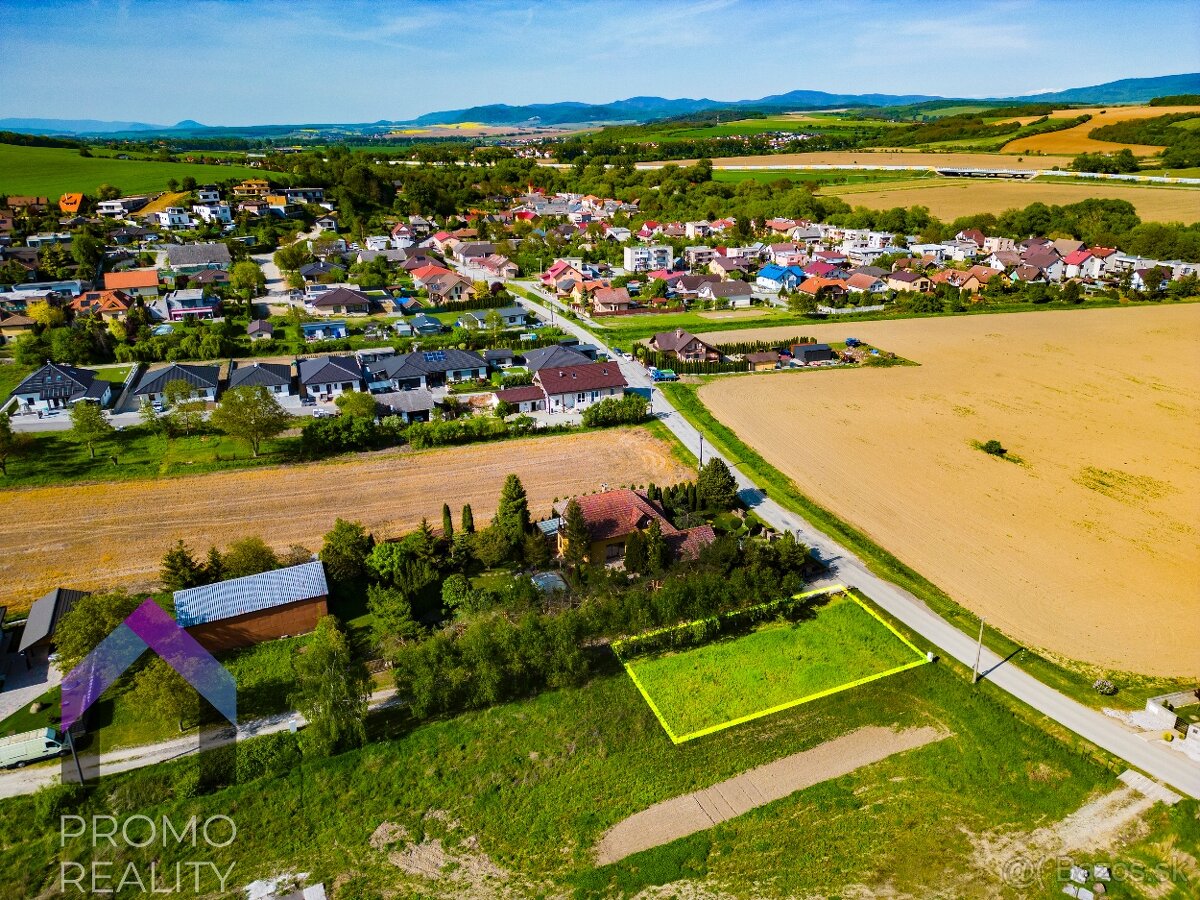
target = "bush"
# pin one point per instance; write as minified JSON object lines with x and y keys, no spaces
{"x":627,"y":410}
{"x":53,"y":800}
{"x":274,"y":754}
{"x":1104,"y":686}
{"x":993,"y":447}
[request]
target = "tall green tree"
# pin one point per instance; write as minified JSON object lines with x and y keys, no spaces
{"x":247,"y":278}
{"x":180,"y":569}
{"x":12,"y":443}
{"x":186,"y":409}
{"x":249,"y":556}
{"x":468,"y":519}
{"x":512,"y":512}
{"x":251,"y":413}
{"x":345,"y":551}
{"x":575,"y":532}
{"x":447,"y":523}
{"x":89,"y":621}
{"x":635,"y":553}
{"x":163,"y":691}
{"x":658,"y":554}
{"x":332,"y":691}
{"x":715,"y":485}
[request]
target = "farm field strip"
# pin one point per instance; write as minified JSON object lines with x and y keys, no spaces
{"x":950,"y":198}
{"x":773,"y":667}
{"x":881,"y":158}
{"x":1096,"y":529}
{"x":1076,"y":140}
{"x":119,"y":531}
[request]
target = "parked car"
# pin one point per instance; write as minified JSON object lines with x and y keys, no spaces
{"x":319,"y":413}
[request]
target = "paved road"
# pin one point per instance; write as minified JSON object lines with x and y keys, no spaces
{"x":1155,"y":759}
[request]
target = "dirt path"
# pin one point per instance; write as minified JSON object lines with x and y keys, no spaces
{"x":680,"y":816}
{"x":112,"y":534}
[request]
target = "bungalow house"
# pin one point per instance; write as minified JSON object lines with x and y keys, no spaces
{"x":321,"y":268}
{"x":409,"y":406}
{"x":763,"y":361}
{"x":557,"y":355}
{"x":610,"y":300}
{"x":12,"y":326}
{"x":341,"y":301}
{"x":135,"y":282}
{"x":502,"y":358}
{"x":684,"y":346}
{"x":578,"y":387}
{"x":57,"y":386}
{"x":275,"y":377}
{"x":470,"y":252}
{"x":260,"y":330}
{"x":985,"y":275}
{"x":809,"y":354}
{"x":108,"y":305}
{"x":245,"y":611}
{"x":209,"y":277}
{"x":201,"y":379}
{"x":189,"y":303}
{"x":327,"y":377}
{"x":1002,"y":260}
{"x":735,"y":293}
{"x":612,"y":516}
{"x":187,"y":259}
{"x":861,"y":283}
{"x":327,"y":222}
{"x":426,"y":325}
{"x":823,"y":288}
{"x":526,"y":398}
{"x":903,"y":280}
{"x":37,"y":639}
{"x":425,"y":368}
{"x":510,"y":317}
{"x":323,"y":331}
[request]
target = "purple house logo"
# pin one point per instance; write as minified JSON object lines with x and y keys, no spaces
{"x":147,"y":627}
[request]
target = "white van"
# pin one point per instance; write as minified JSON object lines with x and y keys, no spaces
{"x":20,"y":749}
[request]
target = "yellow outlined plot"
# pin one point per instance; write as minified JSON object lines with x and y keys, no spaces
{"x":629,"y":663}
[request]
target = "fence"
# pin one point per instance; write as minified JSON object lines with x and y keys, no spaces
{"x":641,"y":310}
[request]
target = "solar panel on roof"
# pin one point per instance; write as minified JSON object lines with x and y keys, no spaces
{"x":434,"y":356}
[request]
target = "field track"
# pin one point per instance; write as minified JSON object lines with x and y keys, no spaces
{"x":1090,"y":548}
{"x":114,"y":534}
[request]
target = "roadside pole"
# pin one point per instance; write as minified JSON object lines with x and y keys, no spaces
{"x":978,"y":653}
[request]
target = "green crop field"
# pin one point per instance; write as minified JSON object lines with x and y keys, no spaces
{"x":824,"y":176}
{"x":832,"y":645}
{"x":51,"y":171}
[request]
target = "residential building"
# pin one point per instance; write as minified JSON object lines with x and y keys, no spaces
{"x":903,"y":280}
{"x":340,"y":301}
{"x":426,"y":368}
{"x":323,"y":331}
{"x":37,"y":638}
{"x":260,"y":330}
{"x":646,"y":258}
{"x":213,"y":213}
{"x":509,"y":317}
{"x":70,"y":203}
{"x":734,"y":293}
{"x":172,"y":217}
{"x":545,"y":357}
{"x":526,"y":398}
{"x":58,"y":386}
{"x":699,"y":257}
{"x":612,"y":516}
{"x":410,"y":406}
{"x":326,"y":377}
{"x":578,"y":387}
{"x":861,"y":283}
{"x":135,"y":282}
{"x":108,"y":305}
{"x":186,"y":259}
{"x":245,"y":611}
{"x":684,"y":346}
{"x":610,"y":299}
{"x":188,"y":303}
{"x":275,"y":377}
{"x":252,"y":187}
{"x":12,"y":326}
{"x":202,"y":380}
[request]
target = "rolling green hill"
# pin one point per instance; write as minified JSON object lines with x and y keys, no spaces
{"x":50,"y":171}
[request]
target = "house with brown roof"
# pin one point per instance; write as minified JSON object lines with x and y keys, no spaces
{"x":338,"y":302}
{"x":612,"y":516}
{"x":108,"y":305}
{"x":816,"y":286}
{"x":725,"y":266}
{"x":610,"y":299}
{"x":903,"y":280}
{"x":449,"y":288}
{"x":578,"y":387}
{"x":684,"y":346}
{"x":135,"y":282}
{"x":862,"y":283}
{"x":12,"y":326}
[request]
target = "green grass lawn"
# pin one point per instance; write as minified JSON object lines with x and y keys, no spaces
{"x":11,"y":375}
{"x":778,"y":663}
{"x":625,"y":331}
{"x":538,"y":782}
{"x":54,"y":458}
{"x":23,"y":720}
{"x":51,"y":171}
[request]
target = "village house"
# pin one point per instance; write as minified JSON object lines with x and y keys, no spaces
{"x":340,"y":301}
{"x":135,"y":282}
{"x":861,"y":283}
{"x":245,"y":611}
{"x":525,"y":398}
{"x":726,"y":266}
{"x":409,"y":406}
{"x":327,"y":377}
{"x":260,"y":330}
{"x":324,"y":331}
{"x":13,"y":325}
{"x":902,"y":280}
{"x":108,"y":305}
{"x":612,"y":516}
{"x":610,"y":300}
{"x":509,"y":317}
{"x":578,"y":387}
{"x":823,"y":288}
{"x":189,"y":303}
{"x":187,"y":259}
{"x":202,"y":380}
{"x":734,"y":293}
{"x":275,"y":377}
{"x":58,"y":386}
{"x":684,"y":346}
{"x":425,"y":368}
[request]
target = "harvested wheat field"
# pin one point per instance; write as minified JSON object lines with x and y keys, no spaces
{"x":1076,"y":140}
{"x":1090,"y":546}
{"x":949,"y":198}
{"x":880,"y":158}
{"x":117,"y":532}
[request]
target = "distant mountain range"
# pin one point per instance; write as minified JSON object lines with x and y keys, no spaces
{"x":632,"y":109}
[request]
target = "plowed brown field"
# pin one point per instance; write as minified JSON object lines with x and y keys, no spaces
{"x":1090,"y":548}
{"x":114,"y":534}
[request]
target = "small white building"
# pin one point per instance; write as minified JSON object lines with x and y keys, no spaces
{"x":172,"y":217}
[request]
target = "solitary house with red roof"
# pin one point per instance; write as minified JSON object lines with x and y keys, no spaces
{"x":612,"y":516}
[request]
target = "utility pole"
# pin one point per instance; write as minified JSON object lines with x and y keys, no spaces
{"x":75,"y":756}
{"x":978,"y":653}
{"x":701,"y":451}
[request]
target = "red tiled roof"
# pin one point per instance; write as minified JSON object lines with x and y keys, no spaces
{"x":617,"y":513}
{"x":131,"y":278}
{"x":522,"y":394}
{"x":570,"y":379}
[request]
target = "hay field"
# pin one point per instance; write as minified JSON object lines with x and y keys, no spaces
{"x":948,"y":198}
{"x":1089,"y":549}
{"x":1076,"y":140}
{"x":98,"y":535}
{"x":881,"y":158}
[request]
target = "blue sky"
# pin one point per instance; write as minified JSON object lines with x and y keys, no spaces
{"x":237,"y":62}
